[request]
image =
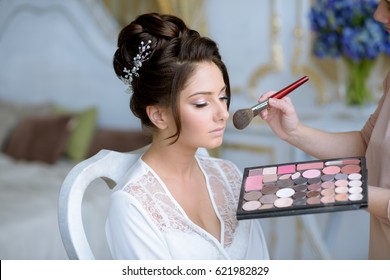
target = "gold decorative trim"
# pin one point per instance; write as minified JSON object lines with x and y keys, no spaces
{"x":302,"y":69}
{"x":165,"y":7}
{"x":277,"y":63}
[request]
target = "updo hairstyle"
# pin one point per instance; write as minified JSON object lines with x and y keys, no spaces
{"x":175,"y":50}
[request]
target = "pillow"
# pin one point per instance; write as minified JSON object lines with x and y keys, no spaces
{"x":12,"y":113}
{"x":118,"y":140}
{"x":39,"y":138}
{"x":82,"y":133}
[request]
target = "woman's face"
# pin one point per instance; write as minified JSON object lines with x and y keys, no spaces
{"x":203,"y":108}
{"x":382,"y":13}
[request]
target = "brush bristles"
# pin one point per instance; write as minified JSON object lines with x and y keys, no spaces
{"x":242,"y":118}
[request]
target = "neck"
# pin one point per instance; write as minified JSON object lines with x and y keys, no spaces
{"x":170,"y":159}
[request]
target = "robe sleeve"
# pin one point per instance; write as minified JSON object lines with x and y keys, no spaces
{"x":130,"y":232}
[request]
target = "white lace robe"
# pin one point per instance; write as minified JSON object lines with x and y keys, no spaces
{"x":146,"y":222}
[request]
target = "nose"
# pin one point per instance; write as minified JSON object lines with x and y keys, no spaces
{"x":221,"y":112}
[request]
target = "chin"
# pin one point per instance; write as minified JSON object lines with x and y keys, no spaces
{"x":213,"y":144}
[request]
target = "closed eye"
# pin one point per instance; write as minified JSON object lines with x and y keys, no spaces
{"x":201,"y":105}
{"x":224,"y":98}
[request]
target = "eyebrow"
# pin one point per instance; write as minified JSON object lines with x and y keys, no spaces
{"x":207,"y":92}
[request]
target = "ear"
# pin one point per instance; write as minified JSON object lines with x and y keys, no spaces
{"x":157,"y":116}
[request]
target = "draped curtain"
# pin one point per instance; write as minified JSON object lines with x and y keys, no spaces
{"x":191,"y":11}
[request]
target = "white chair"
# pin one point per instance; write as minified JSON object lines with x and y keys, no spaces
{"x":106,"y":164}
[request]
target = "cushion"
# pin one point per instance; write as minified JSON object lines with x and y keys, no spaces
{"x":12,"y":113}
{"x":82,"y":133}
{"x":118,"y":140}
{"x":39,"y":138}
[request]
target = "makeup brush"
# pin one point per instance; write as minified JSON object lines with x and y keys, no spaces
{"x":243,"y":117}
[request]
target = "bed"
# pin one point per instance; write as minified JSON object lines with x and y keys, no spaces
{"x":60,"y":102}
{"x":28,"y":215}
{"x":30,"y":181}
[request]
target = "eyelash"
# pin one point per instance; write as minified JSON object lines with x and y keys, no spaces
{"x":225,"y":98}
{"x":202,"y":105}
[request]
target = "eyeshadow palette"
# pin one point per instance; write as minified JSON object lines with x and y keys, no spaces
{"x":308,"y":187}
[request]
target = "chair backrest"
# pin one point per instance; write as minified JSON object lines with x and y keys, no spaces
{"x":106,"y":164}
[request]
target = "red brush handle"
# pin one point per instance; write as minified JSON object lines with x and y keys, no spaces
{"x":283,"y":92}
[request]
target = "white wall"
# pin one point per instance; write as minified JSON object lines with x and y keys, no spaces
{"x":61,"y":51}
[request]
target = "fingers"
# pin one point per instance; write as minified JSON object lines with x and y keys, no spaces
{"x":285,"y":104}
{"x":264,"y":113}
{"x":266,"y":95}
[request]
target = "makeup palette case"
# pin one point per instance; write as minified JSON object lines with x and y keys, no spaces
{"x":308,"y":187}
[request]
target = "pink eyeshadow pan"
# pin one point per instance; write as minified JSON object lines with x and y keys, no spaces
{"x":341,"y":183}
{"x":333,"y":170}
{"x":349,"y":169}
{"x":310,"y":165}
{"x":285,"y":169}
{"x":328,"y":199}
{"x":311,"y":173}
{"x":351,"y":161}
{"x":303,"y":187}
{"x":254,"y":183}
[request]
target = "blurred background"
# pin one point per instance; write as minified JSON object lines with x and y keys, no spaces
{"x":56,"y":56}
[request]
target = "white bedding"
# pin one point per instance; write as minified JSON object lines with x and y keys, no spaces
{"x":28,"y":211}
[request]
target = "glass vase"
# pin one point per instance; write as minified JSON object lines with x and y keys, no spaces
{"x":357,"y":92}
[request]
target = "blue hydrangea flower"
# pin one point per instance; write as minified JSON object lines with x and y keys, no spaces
{"x":347,"y":28}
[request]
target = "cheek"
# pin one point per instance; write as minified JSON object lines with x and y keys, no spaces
{"x":194,"y":120}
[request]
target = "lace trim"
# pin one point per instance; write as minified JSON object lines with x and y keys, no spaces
{"x":224,"y":182}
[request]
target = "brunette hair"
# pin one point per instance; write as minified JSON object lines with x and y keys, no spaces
{"x":174,"y":52}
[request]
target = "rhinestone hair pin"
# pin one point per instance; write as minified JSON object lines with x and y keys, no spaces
{"x":141,"y":57}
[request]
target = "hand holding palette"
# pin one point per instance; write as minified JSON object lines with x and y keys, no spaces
{"x":309,"y":187}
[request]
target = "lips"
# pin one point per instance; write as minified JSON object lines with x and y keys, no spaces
{"x":218,"y":130}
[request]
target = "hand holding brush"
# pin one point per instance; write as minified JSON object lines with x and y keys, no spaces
{"x":243,"y":117}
